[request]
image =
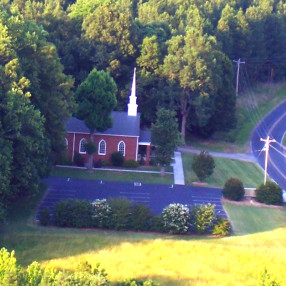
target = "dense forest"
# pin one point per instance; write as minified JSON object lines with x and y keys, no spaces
{"x":183,"y":50}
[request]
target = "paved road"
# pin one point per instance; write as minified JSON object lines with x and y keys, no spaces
{"x":155,"y":196}
{"x":274,"y":125}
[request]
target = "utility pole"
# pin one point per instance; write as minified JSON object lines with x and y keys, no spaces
{"x":266,"y":149}
{"x":237,"y":74}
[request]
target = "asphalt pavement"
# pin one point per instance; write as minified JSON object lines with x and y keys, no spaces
{"x":157,"y":197}
{"x":273,"y":125}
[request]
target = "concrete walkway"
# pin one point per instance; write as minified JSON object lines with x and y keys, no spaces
{"x":179,"y":178}
{"x":235,"y":156}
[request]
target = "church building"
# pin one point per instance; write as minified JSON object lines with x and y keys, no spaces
{"x":124,"y":136}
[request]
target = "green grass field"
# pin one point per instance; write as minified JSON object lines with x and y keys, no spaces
{"x":259,"y":242}
{"x":98,"y":174}
{"x":250,"y":173}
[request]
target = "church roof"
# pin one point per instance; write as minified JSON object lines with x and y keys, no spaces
{"x":122,"y":125}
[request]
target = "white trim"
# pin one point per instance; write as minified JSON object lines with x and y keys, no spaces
{"x":136,"y":150}
{"x":73,"y":143}
{"x":67,"y":143}
{"x":79,"y":146}
{"x":124,"y":147}
{"x":144,"y":143}
{"x":102,"y":140}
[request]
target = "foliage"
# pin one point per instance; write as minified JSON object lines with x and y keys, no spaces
{"x":117,"y":159}
{"x":73,"y":213}
{"x":141,"y":217}
{"x":136,"y":282}
{"x":270,"y":194}
{"x":222,"y":227}
{"x":90,"y":147}
{"x":203,"y":218}
{"x":166,"y":123}
{"x":45,"y":216}
{"x":267,"y":280}
{"x":121,"y":214}
{"x":157,"y":223}
{"x":233,"y":189}
{"x":203,"y":165}
{"x":130,"y":164}
{"x":101,"y":213}
{"x":78,"y":159}
{"x":33,"y":275}
{"x":176,"y":218}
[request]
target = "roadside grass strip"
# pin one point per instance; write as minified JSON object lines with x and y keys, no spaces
{"x":249,"y":173}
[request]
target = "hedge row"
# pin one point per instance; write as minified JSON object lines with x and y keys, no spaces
{"x":121,"y":214}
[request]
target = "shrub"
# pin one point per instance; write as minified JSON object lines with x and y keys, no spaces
{"x":121,"y":214}
{"x":64,"y":160}
{"x":73,"y":213}
{"x":270,"y":194}
{"x":141,"y":217}
{"x":130,"y":164}
{"x":203,"y":165}
{"x":157,"y":223}
{"x":101,"y":213}
{"x":78,"y":160}
{"x":45,"y":216}
{"x":34,"y":274}
{"x":117,"y":159}
{"x":233,"y":189}
{"x":98,"y":164}
{"x":203,"y":218}
{"x":176,"y":218}
{"x":90,"y":147}
{"x":136,"y":282}
{"x":222,"y":227}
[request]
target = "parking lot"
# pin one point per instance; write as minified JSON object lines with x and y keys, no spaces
{"x":157,"y":197}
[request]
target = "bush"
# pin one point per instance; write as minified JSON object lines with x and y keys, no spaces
{"x":101,"y":213}
{"x":90,"y":147}
{"x":63,"y":160}
{"x":141,"y":217}
{"x":157,"y":223}
{"x":73,"y":213}
{"x":222,"y":227}
{"x":270,"y":194}
{"x":136,"y":282}
{"x":98,"y":164}
{"x":203,"y":165}
{"x":176,"y":218}
{"x":121,"y":214}
{"x":233,"y":189}
{"x":78,"y":160}
{"x":34,"y":274}
{"x":45,"y":216}
{"x":203,"y":218}
{"x":117,"y":159}
{"x":130,"y":164}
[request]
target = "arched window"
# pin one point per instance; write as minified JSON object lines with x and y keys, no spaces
{"x":121,"y":147}
{"x":82,"y":142}
{"x":102,"y":147}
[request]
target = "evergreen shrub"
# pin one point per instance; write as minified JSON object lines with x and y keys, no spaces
{"x":222,"y":227}
{"x":121,"y":214}
{"x":78,"y":160}
{"x":270,"y":194}
{"x":203,"y":218}
{"x":136,"y":282}
{"x":233,"y":189}
{"x":203,"y":165}
{"x":45,"y":216}
{"x":130,"y":164}
{"x":73,"y":213}
{"x":141,"y":217}
{"x":117,"y":159}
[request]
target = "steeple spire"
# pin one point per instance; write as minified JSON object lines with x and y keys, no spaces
{"x":132,"y":106}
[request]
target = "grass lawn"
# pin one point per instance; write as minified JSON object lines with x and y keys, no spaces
{"x":170,"y":260}
{"x":250,"y":173}
{"x":252,"y":106}
{"x":98,"y":174}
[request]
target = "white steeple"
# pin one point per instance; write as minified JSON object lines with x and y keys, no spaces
{"x":132,"y":106}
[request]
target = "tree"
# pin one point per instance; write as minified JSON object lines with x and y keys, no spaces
{"x":203,"y":165}
{"x":165,"y":136}
{"x":270,"y":194}
{"x":96,"y":99}
{"x":233,"y":189}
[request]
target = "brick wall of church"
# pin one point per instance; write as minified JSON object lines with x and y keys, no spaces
{"x":111,"y":145}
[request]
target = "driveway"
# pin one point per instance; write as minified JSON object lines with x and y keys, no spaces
{"x":155,"y":196}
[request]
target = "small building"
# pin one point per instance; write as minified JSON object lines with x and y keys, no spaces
{"x":124,"y":136}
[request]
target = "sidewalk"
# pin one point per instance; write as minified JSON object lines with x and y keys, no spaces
{"x":179,"y":178}
{"x":235,"y":156}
